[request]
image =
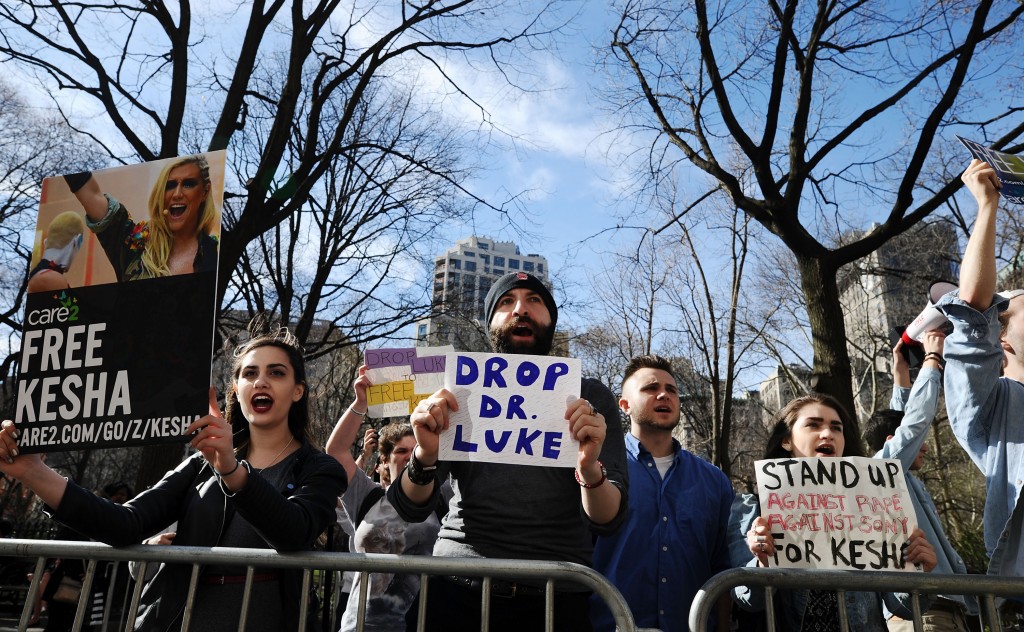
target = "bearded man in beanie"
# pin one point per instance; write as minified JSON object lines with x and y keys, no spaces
{"x":517,"y":511}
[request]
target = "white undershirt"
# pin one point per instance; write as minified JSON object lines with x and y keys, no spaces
{"x":663,"y":463}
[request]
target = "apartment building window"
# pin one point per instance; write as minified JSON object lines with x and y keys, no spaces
{"x":470,"y":266}
{"x":499,"y":261}
{"x":527,"y":266}
{"x":513,"y":264}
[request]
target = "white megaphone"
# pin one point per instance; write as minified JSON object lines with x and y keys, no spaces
{"x":930,"y":318}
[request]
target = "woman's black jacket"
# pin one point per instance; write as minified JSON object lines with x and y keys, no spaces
{"x":289,"y":519}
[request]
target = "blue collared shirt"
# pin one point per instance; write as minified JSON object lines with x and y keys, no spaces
{"x":985,"y":412}
{"x":920,"y":405}
{"x":673,"y":541}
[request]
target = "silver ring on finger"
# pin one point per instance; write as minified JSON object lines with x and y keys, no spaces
{"x":431,"y":407}
{"x":762,"y":539}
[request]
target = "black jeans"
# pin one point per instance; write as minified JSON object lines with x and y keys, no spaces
{"x":452,"y":608}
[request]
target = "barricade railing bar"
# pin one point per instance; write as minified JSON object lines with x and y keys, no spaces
{"x":429,"y":568}
{"x":987,"y":587}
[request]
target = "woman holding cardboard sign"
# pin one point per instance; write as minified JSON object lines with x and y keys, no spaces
{"x":255,"y":482}
{"x":813,"y":426}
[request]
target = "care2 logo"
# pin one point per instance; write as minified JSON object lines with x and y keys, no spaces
{"x":66,"y":312}
{"x":69,"y":303}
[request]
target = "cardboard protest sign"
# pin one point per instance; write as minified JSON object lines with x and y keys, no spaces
{"x":1009,"y":169}
{"x":511,"y":409}
{"x":403,"y":377}
{"x":112,"y":354}
{"x":847,"y":513}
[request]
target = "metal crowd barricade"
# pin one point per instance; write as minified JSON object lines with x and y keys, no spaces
{"x":986,"y":587}
{"x":427,"y":567}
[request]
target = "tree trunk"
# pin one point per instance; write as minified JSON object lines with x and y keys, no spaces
{"x":722,"y":432}
{"x":832,"y":373}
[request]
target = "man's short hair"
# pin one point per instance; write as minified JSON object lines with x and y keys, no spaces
{"x":881,"y":426}
{"x":649,"y":361}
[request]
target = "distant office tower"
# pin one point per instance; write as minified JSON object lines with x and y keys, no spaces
{"x":462,"y":277}
{"x":883,"y":291}
{"x":783,"y":384}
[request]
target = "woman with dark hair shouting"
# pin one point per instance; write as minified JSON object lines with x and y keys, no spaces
{"x":256,"y":481}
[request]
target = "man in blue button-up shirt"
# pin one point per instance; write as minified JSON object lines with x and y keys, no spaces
{"x":674,"y":539}
{"x":984,"y":408}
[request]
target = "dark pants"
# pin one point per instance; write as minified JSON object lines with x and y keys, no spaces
{"x":452,"y":608}
{"x":60,"y":617}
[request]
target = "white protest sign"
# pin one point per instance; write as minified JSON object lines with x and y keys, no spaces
{"x":848,"y":513}
{"x":511,"y":409}
{"x":402,"y":377}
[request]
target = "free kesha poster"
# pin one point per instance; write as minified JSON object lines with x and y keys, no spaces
{"x":118,"y":336}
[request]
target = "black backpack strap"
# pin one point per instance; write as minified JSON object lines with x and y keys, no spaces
{"x":371,"y":499}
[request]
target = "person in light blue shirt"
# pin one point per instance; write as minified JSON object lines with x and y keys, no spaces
{"x":674,"y":538}
{"x":900,"y":433}
{"x":983,"y":381}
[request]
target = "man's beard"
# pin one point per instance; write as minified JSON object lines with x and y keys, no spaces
{"x":647,"y":422}
{"x":501,"y":338}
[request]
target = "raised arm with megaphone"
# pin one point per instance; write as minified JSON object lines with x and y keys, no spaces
{"x":930,"y":318}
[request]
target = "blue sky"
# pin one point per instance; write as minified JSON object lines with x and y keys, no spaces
{"x":561,"y":159}
{"x":565,"y":156}
{"x":552,"y":150}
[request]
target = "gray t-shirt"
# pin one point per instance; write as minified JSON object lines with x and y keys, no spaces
{"x":383,"y":531}
{"x":219,"y":607}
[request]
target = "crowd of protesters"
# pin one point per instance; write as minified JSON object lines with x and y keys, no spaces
{"x":654,"y":519}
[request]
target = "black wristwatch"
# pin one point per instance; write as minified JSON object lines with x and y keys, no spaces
{"x":418,"y":473}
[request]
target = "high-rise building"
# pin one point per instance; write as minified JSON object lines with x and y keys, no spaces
{"x":782,"y":384}
{"x":462,"y":277}
{"x":879,"y":293}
